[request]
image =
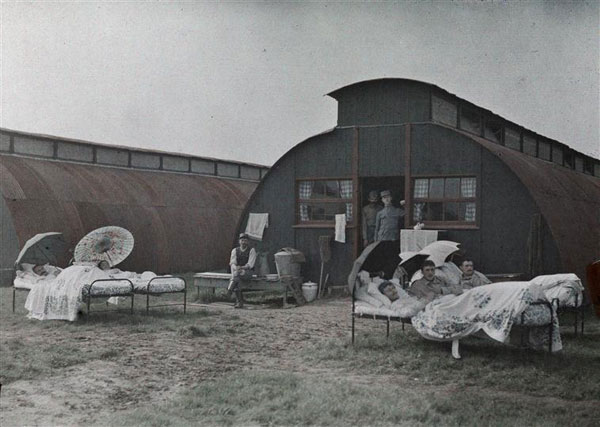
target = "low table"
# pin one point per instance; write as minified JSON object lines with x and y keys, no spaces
{"x":212,"y":281}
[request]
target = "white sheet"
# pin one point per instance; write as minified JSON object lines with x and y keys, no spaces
{"x":566,"y":287}
{"x":491,"y":308}
{"x":257,"y":222}
{"x":61,"y":298}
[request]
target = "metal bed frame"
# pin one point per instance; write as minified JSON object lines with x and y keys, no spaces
{"x":578,"y":310}
{"x":405,"y":320}
{"x":148,"y":292}
{"x":88,"y":298}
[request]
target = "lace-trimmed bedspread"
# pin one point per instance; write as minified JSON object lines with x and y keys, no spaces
{"x":60,"y":299}
{"x":492,"y":308}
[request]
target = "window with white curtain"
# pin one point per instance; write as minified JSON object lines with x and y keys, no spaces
{"x":445,"y":200}
{"x":319,"y":200}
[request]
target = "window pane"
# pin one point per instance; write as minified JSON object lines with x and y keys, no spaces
{"x":470,"y":120}
{"x":433,"y":211}
{"x":452,"y":188}
{"x":493,"y":130}
{"x":557,"y":154}
{"x":323,"y":211}
{"x":443,"y":111}
{"x":588,"y":166}
{"x":468,"y":187}
{"x":467,"y":212}
{"x":529,"y":145}
{"x":569,"y":158}
{"x":346,"y":189}
{"x":421,"y":188}
{"x":512,"y":138}
{"x":305,"y":189}
{"x":544,"y":150}
{"x":436,"y":188}
{"x":579,"y":164}
{"x":451,"y":211}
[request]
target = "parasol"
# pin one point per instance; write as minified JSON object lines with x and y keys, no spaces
{"x":439,"y":251}
{"x":112,"y":244}
{"x":42,"y":248}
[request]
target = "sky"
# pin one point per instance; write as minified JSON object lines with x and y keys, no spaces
{"x":246,"y":80}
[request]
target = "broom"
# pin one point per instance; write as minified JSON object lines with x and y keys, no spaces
{"x":325,"y":254}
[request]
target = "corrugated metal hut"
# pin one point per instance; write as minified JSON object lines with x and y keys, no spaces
{"x":177,"y":207}
{"x":518,"y":202}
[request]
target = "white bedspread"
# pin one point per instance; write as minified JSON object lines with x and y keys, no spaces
{"x":490,"y":308}
{"x":60,"y":298}
{"x":567,"y":288}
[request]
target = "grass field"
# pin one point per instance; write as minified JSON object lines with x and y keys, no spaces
{"x":271,"y":366}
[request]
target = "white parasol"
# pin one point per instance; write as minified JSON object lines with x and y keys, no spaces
{"x":439,"y":251}
{"x":112,"y":244}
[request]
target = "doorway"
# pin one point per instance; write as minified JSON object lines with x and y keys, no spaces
{"x":393,"y":183}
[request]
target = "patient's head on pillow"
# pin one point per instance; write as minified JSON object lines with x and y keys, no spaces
{"x":389,"y":290}
{"x":39,"y":270}
{"x":103,"y":265}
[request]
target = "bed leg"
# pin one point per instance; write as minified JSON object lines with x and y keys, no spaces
{"x":551,"y":330}
{"x":455,"y":352}
{"x":402,"y":321}
{"x":387,"y":332}
{"x":576,"y":320}
{"x":131,"y":310}
{"x":352,"y":328}
{"x":184,"y":300}
{"x":147,"y":301}
{"x":14,"y":296}
{"x":582,"y":318}
{"x":88,"y":305}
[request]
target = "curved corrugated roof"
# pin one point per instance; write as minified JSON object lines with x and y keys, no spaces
{"x":178,"y":220}
{"x":568,"y":200}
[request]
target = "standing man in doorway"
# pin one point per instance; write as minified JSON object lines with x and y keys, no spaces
{"x":242,"y":262}
{"x":369,"y":215}
{"x":388,"y":222}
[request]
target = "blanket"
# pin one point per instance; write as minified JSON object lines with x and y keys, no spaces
{"x":492,"y":308}
{"x":61,"y":298}
{"x":567,"y":288}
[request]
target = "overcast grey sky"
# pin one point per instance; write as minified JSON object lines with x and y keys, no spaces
{"x":245,"y":81}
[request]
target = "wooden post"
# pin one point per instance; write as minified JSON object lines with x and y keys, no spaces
{"x":355,"y":193}
{"x":407,"y":178}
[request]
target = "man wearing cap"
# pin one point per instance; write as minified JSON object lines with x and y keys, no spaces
{"x":389,"y":219}
{"x":242,"y":265}
{"x":369,"y":214}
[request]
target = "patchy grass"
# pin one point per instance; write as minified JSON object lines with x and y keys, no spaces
{"x":298,"y":367}
{"x":21,"y":361}
{"x":275,"y":398}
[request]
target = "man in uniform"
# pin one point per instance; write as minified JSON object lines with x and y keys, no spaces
{"x":430,"y":286}
{"x":369,"y":214}
{"x":470,"y":278}
{"x":389,"y":219}
{"x":242,"y":262}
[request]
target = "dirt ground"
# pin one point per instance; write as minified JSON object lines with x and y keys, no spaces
{"x":151,"y":367}
{"x":150,"y":360}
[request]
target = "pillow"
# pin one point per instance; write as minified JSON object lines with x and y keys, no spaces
{"x":27,"y":267}
{"x":373,"y":290}
{"x":362,"y":295}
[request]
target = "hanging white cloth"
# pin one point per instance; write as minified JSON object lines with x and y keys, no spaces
{"x":415,"y":240}
{"x":340,"y":228}
{"x":257,"y":222}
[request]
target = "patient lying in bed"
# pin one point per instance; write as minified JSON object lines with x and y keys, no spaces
{"x":30,"y":275}
{"x":379,"y":297}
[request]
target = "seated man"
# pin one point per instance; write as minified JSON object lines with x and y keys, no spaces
{"x":470,"y":278}
{"x":242,"y":262}
{"x":430,"y":286}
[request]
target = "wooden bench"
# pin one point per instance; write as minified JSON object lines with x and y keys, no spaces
{"x":211,"y":281}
